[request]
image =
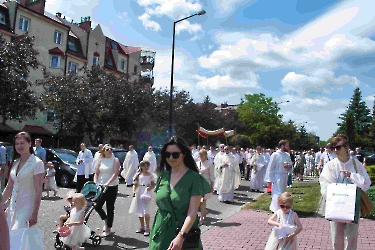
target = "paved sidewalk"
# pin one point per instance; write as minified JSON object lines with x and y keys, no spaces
{"x":248,"y":229}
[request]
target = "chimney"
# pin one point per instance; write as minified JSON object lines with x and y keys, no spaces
{"x":58,"y":14}
{"x":85,"y":23}
{"x":37,"y":5}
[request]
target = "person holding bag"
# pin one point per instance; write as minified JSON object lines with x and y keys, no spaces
{"x":344,"y":235}
{"x":179,"y":191}
{"x":25,"y":189}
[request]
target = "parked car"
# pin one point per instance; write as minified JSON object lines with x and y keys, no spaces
{"x":369,"y":158}
{"x":64,"y":161}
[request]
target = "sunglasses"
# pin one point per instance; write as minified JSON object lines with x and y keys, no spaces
{"x":285,"y":206}
{"x":337,"y":147}
{"x":175,"y":155}
{"x":108,"y":149}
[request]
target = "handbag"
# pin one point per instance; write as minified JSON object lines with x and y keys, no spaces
{"x":193,"y":236}
{"x":30,"y":238}
{"x":65,"y":231}
{"x":342,"y":203}
{"x":366,"y":205}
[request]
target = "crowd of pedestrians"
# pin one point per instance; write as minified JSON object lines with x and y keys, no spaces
{"x":180,"y":185}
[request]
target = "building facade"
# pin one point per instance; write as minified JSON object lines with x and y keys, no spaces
{"x":64,"y":47}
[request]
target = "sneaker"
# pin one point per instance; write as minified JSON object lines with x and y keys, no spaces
{"x":140,"y":231}
{"x":146,"y":233}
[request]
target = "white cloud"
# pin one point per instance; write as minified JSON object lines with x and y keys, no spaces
{"x":226,"y":6}
{"x":124,"y":17}
{"x":219,"y":81}
{"x":318,"y":81}
{"x":175,"y":10}
{"x":149,"y":24}
{"x":194,"y":38}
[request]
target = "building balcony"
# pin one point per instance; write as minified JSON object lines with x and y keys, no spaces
{"x":147,"y":79}
{"x":147,"y":60}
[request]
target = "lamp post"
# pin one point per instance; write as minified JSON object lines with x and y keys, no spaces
{"x":200,"y":13}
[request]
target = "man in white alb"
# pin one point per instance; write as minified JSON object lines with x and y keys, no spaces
{"x":130,"y":166}
{"x":278,"y":168}
{"x":228,"y":173}
{"x":151,"y":158}
{"x":217,"y":161}
{"x":211,"y":154}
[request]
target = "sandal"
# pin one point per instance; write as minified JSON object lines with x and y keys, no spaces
{"x":140,"y":231}
{"x":147,"y":232}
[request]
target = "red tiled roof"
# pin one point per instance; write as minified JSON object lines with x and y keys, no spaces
{"x":128,"y":49}
{"x":56,"y":51}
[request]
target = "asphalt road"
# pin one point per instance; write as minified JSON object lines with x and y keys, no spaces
{"x":126,"y":224}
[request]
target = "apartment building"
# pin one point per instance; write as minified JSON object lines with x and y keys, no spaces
{"x":65,"y":46}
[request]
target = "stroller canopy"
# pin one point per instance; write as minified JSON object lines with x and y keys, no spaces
{"x":92,"y":191}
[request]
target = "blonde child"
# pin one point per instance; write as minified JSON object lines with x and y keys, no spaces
{"x":50,"y":182}
{"x":79,"y":231}
{"x":65,"y":217}
{"x":144,"y":182}
{"x":286,"y":225}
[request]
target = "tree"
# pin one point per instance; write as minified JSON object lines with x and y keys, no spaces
{"x":360,"y":112}
{"x":260,"y":115}
{"x":19,"y":98}
{"x":350,"y":129}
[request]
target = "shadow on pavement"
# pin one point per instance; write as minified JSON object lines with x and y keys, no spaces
{"x":124,"y":243}
{"x":224,"y":224}
{"x":243,"y":188}
{"x":123,"y":195}
{"x":210,"y":211}
{"x":51,"y":198}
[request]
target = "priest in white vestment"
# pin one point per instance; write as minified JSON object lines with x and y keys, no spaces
{"x":216,"y":163}
{"x":211,"y":154}
{"x":151,"y":158}
{"x":278,"y":168}
{"x":228,"y":173}
{"x":257,"y":174}
{"x":130,"y":166}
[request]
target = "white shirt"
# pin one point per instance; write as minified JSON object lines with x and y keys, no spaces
{"x":106,"y":170}
{"x":318,"y":156}
{"x":86,"y":167}
{"x":211,"y":155}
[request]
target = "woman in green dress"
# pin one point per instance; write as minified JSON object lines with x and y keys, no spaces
{"x":179,"y":184}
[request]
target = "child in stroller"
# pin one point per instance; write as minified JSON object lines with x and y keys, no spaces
{"x":92,"y":192}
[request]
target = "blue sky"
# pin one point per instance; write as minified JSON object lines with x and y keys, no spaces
{"x":311,"y":53}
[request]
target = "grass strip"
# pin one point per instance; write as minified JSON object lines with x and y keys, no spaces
{"x":305,"y":202}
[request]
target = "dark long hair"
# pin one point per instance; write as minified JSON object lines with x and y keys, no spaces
{"x":15,"y":154}
{"x":185,"y":150}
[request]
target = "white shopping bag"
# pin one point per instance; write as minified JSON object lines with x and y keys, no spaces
{"x":26,"y":239}
{"x":342,"y":203}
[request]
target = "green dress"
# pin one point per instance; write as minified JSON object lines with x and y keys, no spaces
{"x":164,"y":228}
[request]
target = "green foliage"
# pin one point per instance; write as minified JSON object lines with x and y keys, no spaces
{"x":360,"y":112}
{"x":241,"y":141}
{"x":350,"y":129}
{"x":18,"y":96}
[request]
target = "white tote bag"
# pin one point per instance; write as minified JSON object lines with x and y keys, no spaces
{"x":341,"y":203}
{"x":26,"y":239}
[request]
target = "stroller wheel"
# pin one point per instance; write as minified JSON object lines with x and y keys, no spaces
{"x":96,"y":240}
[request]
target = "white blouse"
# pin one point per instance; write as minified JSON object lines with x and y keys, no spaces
{"x":106,"y":170}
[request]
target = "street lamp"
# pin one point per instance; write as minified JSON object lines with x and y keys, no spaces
{"x":200,"y":13}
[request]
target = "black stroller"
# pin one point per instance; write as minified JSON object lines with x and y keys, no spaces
{"x":93,"y":193}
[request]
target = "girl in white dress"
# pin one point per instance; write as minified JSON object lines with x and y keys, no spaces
{"x":143,"y":184}
{"x":79,"y":231}
{"x":51,"y":181}
{"x":207,"y":170}
{"x":286,"y":225}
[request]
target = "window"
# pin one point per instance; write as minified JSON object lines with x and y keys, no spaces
{"x":55,"y":62}
{"x":24,"y":24}
{"x":122,"y":64}
{"x":51,"y":116}
{"x":95,"y":61}
{"x":73,"y":67}
{"x":2,"y":18}
{"x":72,"y":46}
{"x":114,"y":45}
{"x":58,"y":37}
{"x":109,"y":62}
{"x":135,"y":69}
